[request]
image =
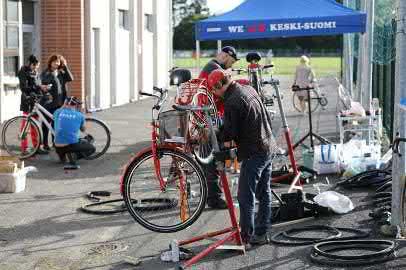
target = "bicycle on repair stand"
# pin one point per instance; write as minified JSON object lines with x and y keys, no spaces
{"x":254,"y":71}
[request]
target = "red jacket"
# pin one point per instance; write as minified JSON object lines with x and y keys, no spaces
{"x":204,"y":74}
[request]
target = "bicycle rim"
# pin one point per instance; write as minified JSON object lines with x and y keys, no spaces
{"x":101,"y":135}
{"x":178,"y":204}
{"x":198,"y":129}
{"x":21,"y":137}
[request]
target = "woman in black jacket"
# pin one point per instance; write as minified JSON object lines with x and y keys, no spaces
{"x":50,"y":78}
{"x":64,"y":76}
{"x":30,"y":83}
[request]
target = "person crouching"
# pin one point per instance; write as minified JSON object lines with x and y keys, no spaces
{"x":68,"y":122}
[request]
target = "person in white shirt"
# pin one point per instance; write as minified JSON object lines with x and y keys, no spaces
{"x":304,"y":77}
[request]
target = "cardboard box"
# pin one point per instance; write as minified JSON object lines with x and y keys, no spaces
{"x":12,"y":175}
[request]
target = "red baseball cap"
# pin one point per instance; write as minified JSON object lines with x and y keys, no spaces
{"x":215,"y":79}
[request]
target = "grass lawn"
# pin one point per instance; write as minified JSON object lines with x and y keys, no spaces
{"x":323,"y":66}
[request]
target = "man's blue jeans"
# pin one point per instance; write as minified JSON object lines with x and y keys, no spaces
{"x":255,"y":182}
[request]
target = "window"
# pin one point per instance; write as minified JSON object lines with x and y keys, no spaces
{"x":149,"y":22}
{"x":10,"y":66}
{"x":28,"y":12}
{"x":123,"y":21}
{"x":11,"y":10}
{"x":11,"y":37}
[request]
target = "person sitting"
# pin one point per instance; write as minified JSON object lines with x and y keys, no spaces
{"x":68,"y":122}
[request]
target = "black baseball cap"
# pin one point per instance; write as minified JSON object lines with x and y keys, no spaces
{"x":230,"y":51}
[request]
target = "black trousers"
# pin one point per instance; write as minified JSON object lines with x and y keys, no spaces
{"x":81,"y":149}
{"x":45,"y":130}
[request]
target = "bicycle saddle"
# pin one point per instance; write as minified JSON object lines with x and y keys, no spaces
{"x":179,"y":76}
{"x":253,"y":56}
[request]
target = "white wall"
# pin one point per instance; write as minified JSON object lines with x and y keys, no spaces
{"x":10,"y":94}
{"x":163,"y":42}
{"x":122,"y":58}
{"x":126,"y":55}
{"x":98,"y":11}
{"x":147,"y":49}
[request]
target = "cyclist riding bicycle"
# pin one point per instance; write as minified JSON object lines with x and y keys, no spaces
{"x":68,"y":122}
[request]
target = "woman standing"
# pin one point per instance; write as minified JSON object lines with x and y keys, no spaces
{"x":30,"y":83}
{"x":304,"y":77}
{"x":50,"y":78}
{"x":64,"y":76}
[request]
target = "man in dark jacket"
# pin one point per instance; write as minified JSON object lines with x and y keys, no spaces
{"x":248,"y":124}
{"x":224,"y":60}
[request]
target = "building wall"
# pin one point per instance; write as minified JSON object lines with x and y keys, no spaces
{"x":62,"y":33}
{"x":98,"y":16}
{"x":147,"y":46}
{"x":129,"y":59}
{"x":163,"y":40}
{"x":122,"y":60}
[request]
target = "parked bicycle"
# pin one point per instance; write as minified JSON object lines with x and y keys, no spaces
{"x":316,"y":98}
{"x":254,"y":71}
{"x":163,"y":186}
{"x":22,"y":136}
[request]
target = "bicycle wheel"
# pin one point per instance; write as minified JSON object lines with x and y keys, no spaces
{"x":101,"y":135}
{"x":198,"y":128}
{"x":21,"y":137}
{"x":174,"y":207}
{"x":314,"y":98}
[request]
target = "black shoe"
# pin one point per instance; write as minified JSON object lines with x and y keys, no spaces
{"x":42,"y":151}
{"x":70,"y":166}
{"x":46,"y":148}
{"x":217,"y":203}
{"x":259,"y":239}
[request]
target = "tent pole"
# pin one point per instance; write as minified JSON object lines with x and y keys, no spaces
{"x":219,"y":46}
{"x":348,"y":60}
{"x":197,"y":56}
{"x":398,"y":167}
{"x":367,"y":56}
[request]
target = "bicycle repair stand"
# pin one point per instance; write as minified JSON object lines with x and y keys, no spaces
{"x":296,"y":184}
{"x":310,"y":134}
{"x":233,"y":232}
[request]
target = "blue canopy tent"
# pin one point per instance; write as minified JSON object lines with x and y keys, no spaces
{"x":282,"y":18}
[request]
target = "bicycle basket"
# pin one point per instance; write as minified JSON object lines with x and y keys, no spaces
{"x":187,"y":90}
{"x":173,"y":126}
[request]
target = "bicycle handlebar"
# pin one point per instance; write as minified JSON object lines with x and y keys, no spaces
{"x":296,"y":88}
{"x":163,"y":94}
{"x":191,"y":108}
{"x":267,"y":66}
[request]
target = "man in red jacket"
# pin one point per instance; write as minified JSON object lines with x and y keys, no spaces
{"x":224,"y":60}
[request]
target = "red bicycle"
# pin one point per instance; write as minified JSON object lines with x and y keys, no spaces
{"x":163,"y":186}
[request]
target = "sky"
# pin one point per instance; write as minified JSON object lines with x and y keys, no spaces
{"x":219,"y":7}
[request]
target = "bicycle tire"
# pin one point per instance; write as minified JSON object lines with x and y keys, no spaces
{"x":314,"y":97}
{"x":93,"y":208}
{"x":12,"y":130}
{"x":102,"y":133}
{"x":141,"y":171}
{"x":198,"y":131}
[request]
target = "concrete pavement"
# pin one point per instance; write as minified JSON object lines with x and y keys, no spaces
{"x":42,"y":229}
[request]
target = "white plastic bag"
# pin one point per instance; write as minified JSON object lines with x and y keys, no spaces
{"x":337,"y":202}
{"x":326,"y":159}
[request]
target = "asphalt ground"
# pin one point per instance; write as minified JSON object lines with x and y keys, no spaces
{"x":42,"y":229}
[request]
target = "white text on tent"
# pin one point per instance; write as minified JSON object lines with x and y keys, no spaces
{"x":302,"y":26}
